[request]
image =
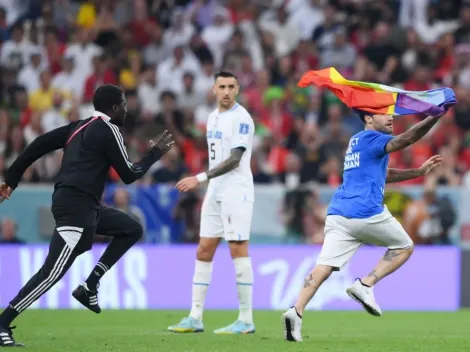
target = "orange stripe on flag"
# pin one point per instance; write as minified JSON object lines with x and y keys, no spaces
{"x":357,"y":96}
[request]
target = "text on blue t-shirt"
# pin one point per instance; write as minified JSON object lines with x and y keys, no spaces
{"x":365,"y":171}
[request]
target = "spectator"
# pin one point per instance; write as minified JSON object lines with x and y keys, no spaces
{"x":20,"y":112}
{"x":340,"y":54}
{"x":189,"y":96}
{"x":204,"y":109}
{"x":312,"y":154}
{"x":315,"y":216}
{"x":448,"y":173}
{"x":217,"y":34}
{"x":307,"y":17}
{"x":170,"y":169}
{"x":122,"y":202}
{"x":180,"y":32}
{"x":205,"y":80}
{"x":3,"y":25}
{"x":186,"y":211}
{"x":286,"y":33}
{"x":382,"y":55}
{"x":428,"y":220}
{"x":42,"y":98}
{"x":69,"y":79}
{"x":462,"y":35}
{"x":83,"y":50}
{"x":155,"y":51}
{"x":147,"y":92}
{"x":8,"y":231}
{"x":56,"y":116}
{"x":171,"y":71}
{"x":101,"y":74}
{"x":54,"y":49}
{"x":291,"y":176}
{"x":260,"y":176}
{"x":28,"y":77}
{"x":324,"y":34}
{"x":15,"y":144}
{"x":15,"y":51}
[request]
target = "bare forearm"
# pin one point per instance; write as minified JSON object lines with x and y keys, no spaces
{"x":227,"y":165}
{"x":414,"y":134}
{"x":395,"y":175}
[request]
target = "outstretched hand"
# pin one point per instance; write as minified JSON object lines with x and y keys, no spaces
{"x":187,"y":184}
{"x":430,"y":164}
{"x":5,"y":191}
{"x":163,"y":143}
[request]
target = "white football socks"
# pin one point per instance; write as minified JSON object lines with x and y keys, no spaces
{"x":201,"y":280}
{"x":244,"y":272}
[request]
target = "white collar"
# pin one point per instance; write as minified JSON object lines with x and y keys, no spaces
{"x":100,"y":114}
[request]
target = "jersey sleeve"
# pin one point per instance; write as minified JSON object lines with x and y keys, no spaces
{"x":377,"y":143}
{"x":116,"y":153}
{"x":243,"y":132}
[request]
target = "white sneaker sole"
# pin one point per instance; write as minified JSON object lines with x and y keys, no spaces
{"x":288,"y":329}
{"x":368,"y":308}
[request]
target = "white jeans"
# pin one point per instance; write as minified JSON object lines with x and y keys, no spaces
{"x":344,"y":236}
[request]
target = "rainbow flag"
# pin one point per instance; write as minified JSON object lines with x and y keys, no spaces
{"x":378,"y":98}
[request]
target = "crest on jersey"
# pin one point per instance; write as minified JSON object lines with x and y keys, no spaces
{"x":244,"y":128}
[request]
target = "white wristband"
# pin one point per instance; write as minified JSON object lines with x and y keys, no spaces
{"x":202,"y":177}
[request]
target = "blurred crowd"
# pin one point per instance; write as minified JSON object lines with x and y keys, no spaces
{"x":54,"y":54}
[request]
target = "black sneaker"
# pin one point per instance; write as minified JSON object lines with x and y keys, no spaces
{"x":87,"y":297}
{"x":6,"y":338}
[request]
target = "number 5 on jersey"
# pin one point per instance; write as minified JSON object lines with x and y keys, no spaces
{"x":212,"y":149}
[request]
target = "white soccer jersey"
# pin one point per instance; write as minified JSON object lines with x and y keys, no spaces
{"x":225,"y":131}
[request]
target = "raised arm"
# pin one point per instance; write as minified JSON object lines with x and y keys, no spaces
{"x":414,"y":134}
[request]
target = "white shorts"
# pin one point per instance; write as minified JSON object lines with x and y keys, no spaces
{"x":230,"y":219}
{"x":344,"y":236}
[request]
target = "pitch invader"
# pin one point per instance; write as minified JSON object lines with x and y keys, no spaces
{"x":227,"y":207}
{"x":356,"y":215}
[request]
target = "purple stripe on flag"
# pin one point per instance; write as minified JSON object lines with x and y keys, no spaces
{"x":419,"y":106}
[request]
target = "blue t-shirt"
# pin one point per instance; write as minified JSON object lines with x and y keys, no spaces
{"x":365,"y":170}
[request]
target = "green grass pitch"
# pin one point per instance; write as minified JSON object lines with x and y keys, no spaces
{"x":135,"y":331}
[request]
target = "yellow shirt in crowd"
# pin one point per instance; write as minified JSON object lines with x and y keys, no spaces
{"x":86,"y":16}
{"x":41,"y":100}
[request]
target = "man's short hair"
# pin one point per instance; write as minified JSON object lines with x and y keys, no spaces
{"x":106,"y":96}
{"x":225,"y":74}
{"x":362,"y":115}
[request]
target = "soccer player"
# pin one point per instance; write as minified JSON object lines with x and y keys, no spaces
{"x":227,"y":207}
{"x":356,"y":215}
{"x":90,"y":147}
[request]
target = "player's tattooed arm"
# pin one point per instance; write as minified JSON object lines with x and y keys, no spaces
{"x":414,"y":134}
{"x":228,"y":164}
{"x":395,"y":175}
